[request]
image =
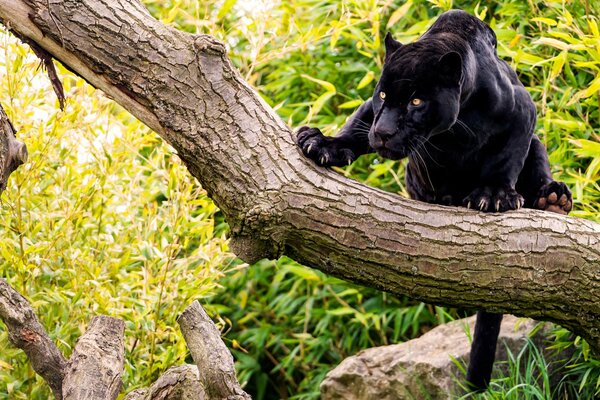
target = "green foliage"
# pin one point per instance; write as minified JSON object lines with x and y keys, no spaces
{"x":105,"y":219}
{"x":290,"y":324}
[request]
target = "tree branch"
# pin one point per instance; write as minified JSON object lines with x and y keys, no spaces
{"x":214,"y":361}
{"x":177,"y":383}
{"x":26,"y":332}
{"x":527,"y":263}
{"x":12,"y":152}
{"x":96,"y":365}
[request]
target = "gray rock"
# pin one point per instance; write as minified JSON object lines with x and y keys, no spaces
{"x":421,"y":368}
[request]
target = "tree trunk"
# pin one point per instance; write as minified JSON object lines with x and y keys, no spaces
{"x":527,"y":263}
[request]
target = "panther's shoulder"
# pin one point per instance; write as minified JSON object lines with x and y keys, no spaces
{"x":465,"y":26}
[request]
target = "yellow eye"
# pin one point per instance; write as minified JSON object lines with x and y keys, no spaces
{"x":416,"y":102}
{"x":382,"y":95}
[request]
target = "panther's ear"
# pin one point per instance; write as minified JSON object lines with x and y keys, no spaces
{"x":451,"y":67}
{"x":391,"y":45}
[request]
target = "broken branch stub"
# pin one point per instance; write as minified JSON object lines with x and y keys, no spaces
{"x":214,"y":361}
{"x":95,"y":368}
{"x":12,"y":152}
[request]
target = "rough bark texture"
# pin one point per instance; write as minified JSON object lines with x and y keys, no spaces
{"x":26,"y":332}
{"x":214,"y":361}
{"x":12,"y":152}
{"x":96,"y":365}
{"x":178,"y":383}
{"x":527,"y":263}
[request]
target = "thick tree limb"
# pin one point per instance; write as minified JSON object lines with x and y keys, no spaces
{"x":12,"y":152}
{"x":96,"y":365}
{"x":26,"y":332}
{"x":527,"y":263}
{"x":214,"y":361}
{"x":178,"y":383}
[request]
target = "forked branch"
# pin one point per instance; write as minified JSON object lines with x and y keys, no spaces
{"x":526,"y":263}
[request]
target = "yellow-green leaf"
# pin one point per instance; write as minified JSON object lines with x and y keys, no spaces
{"x":351,"y":104}
{"x":553,"y":42}
{"x":543,"y":20}
{"x":399,"y":13}
{"x":558,"y":64}
{"x":327,"y":85}
{"x":368,"y":78}
{"x":227,"y":6}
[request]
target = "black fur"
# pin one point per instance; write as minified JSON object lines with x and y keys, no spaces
{"x":469,"y":136}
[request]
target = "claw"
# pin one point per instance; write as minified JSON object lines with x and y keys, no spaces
{"x":469,"y":204}
{"x":309,"y":148}
{"x":482,"y":204}
{"x":497,"y":205}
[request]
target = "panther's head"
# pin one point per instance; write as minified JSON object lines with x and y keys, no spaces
{"x":417,"y":96}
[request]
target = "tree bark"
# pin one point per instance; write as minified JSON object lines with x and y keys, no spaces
{"x":526,"y":263}
{"x":178,"y":383}
{"x":214,"y":361}
{"x":26,"y":332}
{"x":12,"y":152}
{"x":94,"y":370}
{"x":96,"y":365}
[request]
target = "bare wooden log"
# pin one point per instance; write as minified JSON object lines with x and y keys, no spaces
{"x":96,"y":365}
{"x":12,"y":152}
{"x":26,"y":332}
{"x":214,"y":361}
{"x":526,"y":263}
{"x":178,"y":383}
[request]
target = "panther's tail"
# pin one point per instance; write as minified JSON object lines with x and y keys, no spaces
{"x":483,"y":350}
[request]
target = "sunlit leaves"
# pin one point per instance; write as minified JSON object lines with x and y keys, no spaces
{"x":103,"y":219}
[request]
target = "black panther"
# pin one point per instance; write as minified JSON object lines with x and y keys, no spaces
{"x":466,"y":124}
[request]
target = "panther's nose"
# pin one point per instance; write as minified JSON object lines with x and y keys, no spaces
{"x":384,"y":132}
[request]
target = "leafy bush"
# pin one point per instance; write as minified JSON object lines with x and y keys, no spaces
{"x":104,"y":219}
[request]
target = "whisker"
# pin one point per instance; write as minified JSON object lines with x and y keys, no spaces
{"x":422,"y":146}
{"x":422,"y":161}
{"x":466,"y":127}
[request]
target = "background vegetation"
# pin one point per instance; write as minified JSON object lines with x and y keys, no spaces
{"x":104,"y":218}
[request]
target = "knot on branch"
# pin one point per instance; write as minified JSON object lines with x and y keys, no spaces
{"x":205,"y":44}
{"x":255,"y":233}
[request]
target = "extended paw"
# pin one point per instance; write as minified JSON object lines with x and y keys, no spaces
{"x":494,"y":199}
{"x":323,"y":150}
{"x":554,"y":197}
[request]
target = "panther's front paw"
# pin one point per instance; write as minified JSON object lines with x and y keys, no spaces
{"x":554,"y":197}
{"x":494,"y":199}
{"x":323,"y":150}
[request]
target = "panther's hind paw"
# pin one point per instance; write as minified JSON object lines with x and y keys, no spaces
{"x":554,"y":197}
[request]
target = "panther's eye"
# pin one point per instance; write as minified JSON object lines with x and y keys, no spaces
{"x":416,"y":102}
{"x":382,"y":95}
